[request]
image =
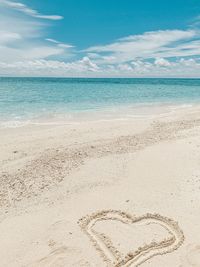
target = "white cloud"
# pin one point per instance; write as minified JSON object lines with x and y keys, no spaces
{"x":162,"y":62}
{"x":125,"y":68}
{"x":22,"y":38}
{"x":49,"y":68}
{"x":59,"y":44}
{"x":9,"y":54}
{"x":169,"y":43}
{"x":147,"y":40}
{"x":6,"y":37}
{"x":159,"y":68}
{"x":28,"y":11}
{"x":87,"y":68}
{"x":89,"y":64}
{"x":65,"y":45}
{"x":52,"y":40}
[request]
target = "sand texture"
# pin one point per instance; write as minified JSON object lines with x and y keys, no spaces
{"x":112,"y":193}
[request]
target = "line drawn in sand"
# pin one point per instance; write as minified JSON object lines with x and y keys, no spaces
{"x":112,"y":256}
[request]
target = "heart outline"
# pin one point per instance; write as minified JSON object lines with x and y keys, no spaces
{"x":112,"y":256}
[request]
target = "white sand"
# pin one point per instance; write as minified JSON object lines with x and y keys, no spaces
{"x":116,"y":175}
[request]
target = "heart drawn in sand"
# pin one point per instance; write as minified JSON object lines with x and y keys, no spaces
{"x":112,"y":256}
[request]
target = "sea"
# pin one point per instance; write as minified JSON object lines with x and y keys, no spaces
{"x":67,"y":100}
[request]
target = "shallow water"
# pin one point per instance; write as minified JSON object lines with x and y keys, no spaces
{"x":31,"y":99}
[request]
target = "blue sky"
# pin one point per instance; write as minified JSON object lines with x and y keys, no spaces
{"x":100,"y":38}
{"x":92,"y":22}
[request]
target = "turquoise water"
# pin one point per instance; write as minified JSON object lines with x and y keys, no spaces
{"x":32,"y":98}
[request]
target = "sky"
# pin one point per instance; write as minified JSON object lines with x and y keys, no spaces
{"x":100,"y":38}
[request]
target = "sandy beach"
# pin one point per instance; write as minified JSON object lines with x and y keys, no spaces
{"x":102,"y":193}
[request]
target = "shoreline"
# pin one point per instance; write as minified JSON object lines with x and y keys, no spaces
{"x":137,"y":111}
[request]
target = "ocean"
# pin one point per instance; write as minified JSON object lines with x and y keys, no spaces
{"x":32,"y":100}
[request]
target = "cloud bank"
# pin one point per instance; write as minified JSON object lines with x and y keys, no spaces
{"x":87,"y":68}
